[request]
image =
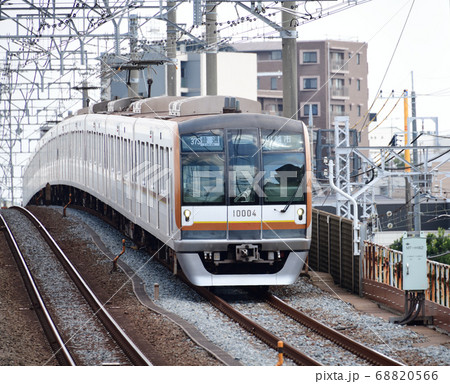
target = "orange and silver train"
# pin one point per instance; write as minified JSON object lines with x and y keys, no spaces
{"x":224,"y":190}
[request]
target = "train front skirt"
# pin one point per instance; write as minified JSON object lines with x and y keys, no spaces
{"x":198,"y":275}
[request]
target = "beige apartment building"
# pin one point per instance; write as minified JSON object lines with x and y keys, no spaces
{"x":332,"y":81}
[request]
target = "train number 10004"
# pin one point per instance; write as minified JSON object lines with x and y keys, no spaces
{"x":244,"y":213}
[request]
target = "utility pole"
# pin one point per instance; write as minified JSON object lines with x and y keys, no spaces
{"x":133,"y":85}
{"x":408,"y":195}
{"x":289,"y":55}
{"x":171,"y":49}
{"x":211,"y":48}
{"x":417,"y":216}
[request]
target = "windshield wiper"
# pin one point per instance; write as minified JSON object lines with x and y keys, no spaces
{"x":291,"y":200}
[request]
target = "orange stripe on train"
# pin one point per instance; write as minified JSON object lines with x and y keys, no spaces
{"x":268,"y":225}
{"x":207,"y":226}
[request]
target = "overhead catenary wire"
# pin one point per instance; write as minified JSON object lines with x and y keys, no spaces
{"x":392,"y":55}
{"x":393,"y":108}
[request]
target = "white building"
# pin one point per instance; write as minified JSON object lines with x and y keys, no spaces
{"x":236,"y":76}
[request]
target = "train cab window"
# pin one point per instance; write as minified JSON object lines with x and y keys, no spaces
{"x":203,"y":168}
{"x":283,"y":177}
{"x":284,"y":167}
{"x":203,"y":179}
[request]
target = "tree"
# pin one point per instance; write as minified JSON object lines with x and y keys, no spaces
{"x":436,"y":245}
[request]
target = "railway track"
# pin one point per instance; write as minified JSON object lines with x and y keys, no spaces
{"x":338,"y":338}
{"x":371,"y":356}
{"x":54,"y":338}
{"x":242,"y":351}
{"x":129,"y":350}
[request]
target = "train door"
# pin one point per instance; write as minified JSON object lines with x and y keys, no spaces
{"x":244,"y":185}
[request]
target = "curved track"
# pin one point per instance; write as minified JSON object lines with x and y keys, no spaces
{"x":62,"y":354}
{"x":130,"y":349}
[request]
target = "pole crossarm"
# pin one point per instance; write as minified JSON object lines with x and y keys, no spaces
{"x":284,"y":32}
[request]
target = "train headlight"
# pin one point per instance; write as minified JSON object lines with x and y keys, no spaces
{"x":300,"y":213}
{"x":187,"y":214}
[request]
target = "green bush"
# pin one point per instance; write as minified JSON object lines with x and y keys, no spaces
{"x":436,"y":245}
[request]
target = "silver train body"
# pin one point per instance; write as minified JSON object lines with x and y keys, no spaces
{"x":225,"y":188}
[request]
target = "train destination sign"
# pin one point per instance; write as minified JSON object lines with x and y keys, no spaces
{"x":202,"y":143}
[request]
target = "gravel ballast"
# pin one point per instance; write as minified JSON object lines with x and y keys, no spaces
{"x":391,"y":339}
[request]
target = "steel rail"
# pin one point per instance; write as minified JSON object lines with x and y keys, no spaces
{"x":57,"y":343}
{"x":351,"y":345}
{"x":128,"y":346}
{"x":260,"y":332}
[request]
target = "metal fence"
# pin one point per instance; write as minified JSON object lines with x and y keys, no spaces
{"x":384,"y":265}
{"x":332,"y":249}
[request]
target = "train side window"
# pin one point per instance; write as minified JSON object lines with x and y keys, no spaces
{"x":117,"y":157}
{"x":130,"y":155}
{"x":152,"y":167}
{"x":105,"y":151}
{"x":142,"y":164}
{"x":125,"y":156}
{"x":166,"y":170}
{"x":162,"y":186}
{"x":147,"y":163}
{"x":119,"y":154}
{"x":135,"y":159}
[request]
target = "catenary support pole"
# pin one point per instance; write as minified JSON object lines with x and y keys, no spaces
{"x":289,"y":56}
{"x":211,"y":48}
{"x":171,"y":49}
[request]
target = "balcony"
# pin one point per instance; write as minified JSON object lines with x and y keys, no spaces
{"x":340,"y":93}
{"x":339,"y":66}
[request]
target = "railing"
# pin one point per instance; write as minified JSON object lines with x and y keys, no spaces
{"x":339,"y":92}
{"x":339,"y":66}
{"x":384,"y":265}
{"x":438,"y":278}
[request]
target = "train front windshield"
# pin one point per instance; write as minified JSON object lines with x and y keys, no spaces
{"x":243,"y":167}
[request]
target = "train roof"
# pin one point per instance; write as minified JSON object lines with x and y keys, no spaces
{"x":174,"y":107}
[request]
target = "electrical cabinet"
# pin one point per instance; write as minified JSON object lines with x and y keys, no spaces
{"x":415,"y":264}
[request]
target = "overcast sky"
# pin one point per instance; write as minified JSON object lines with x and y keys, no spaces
{"x":423,"y":48}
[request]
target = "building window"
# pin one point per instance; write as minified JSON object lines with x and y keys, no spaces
{"x":309,"y":57}
{"x":337,"y":61}
{"x":315,"y":109}
{"x":338,"y":110}
{"x":337,"y":83}
{"x":258,"y":83}
{"x":359,"y":110}
{"x":337,"y":56}
{"x":358,"y":58}
{"x":273,"y":83}
{"x":310,"y":83}
{"x":358,"y":85}
{"x":275,"y":55}
{"x":274,"y":109}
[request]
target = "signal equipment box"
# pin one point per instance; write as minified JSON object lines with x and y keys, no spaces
{"x":415,"y":263}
